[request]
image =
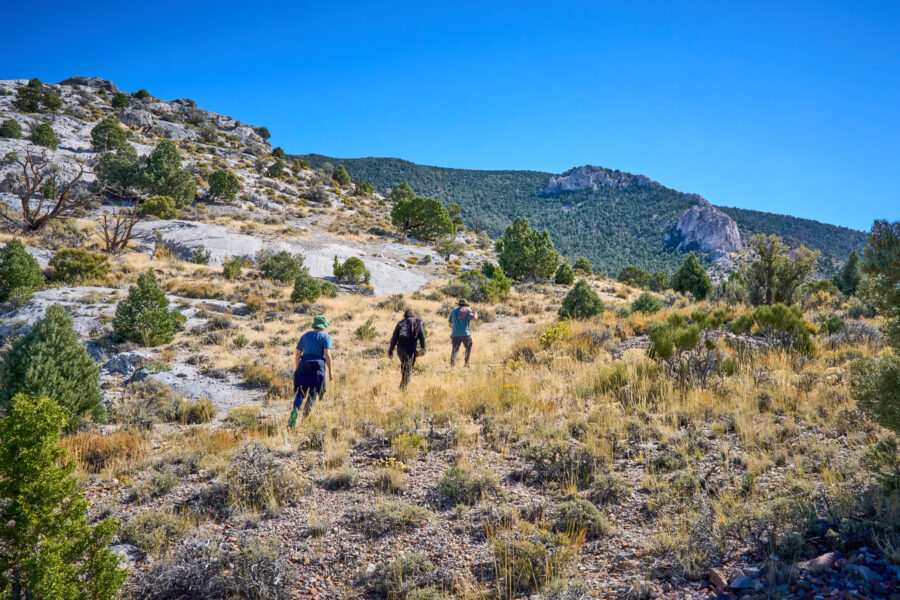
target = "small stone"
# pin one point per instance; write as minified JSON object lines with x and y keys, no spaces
{"x":717,"y":578}
{"x":821,"y":563}
{"x":742,"y":582}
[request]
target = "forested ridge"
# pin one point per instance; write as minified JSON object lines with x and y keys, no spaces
{"x":613,"y":227}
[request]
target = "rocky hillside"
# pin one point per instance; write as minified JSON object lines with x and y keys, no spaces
{"x":268,"y":214}
{"x":611,"y":217}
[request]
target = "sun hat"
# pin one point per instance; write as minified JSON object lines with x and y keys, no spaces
{"x":462,"y":302}
{"x":320,"y":322}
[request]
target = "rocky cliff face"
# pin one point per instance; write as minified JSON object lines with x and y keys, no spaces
{"x":709,"y":228}
{"x":593,"y":178}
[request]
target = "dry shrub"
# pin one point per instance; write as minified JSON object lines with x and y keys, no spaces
{"x":153,"y":531}
{"x":461,"y":486}
{"x":562,"y":463}
{"x":95,"y":451}
{"x":200,"y":289}
{"x":204,"y":569}
{"x":527,"y":558}
{"x":389,"y":517}
{"x":257,"y":478}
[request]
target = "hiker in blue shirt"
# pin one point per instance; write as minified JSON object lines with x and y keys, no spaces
{"x":459,"y":330}
{"x":312,"y":356}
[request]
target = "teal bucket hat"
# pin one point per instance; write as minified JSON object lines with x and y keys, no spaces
{"x":320,"y":322}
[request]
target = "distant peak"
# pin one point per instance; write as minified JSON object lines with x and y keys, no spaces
{"x":590,"y":177}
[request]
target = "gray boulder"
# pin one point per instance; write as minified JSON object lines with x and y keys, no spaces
{"x":135,"y":117}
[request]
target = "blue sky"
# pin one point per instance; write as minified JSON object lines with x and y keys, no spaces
{"x":787,"y":107}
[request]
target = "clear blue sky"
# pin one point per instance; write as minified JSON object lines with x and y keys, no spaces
{"x":787,"y":107}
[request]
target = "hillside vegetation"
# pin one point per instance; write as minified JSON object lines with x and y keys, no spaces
{"x":613,"y":227}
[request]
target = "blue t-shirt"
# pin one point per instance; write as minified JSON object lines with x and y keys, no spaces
{"x":460,"y":322}
{"x":313,"y":344}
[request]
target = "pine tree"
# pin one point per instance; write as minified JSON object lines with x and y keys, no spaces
{"x":849,"y":278}
{"x":692,"y":277}
{"x":10,"y":128}
{"x":47,"y":548}
{"x":582,"y":302}
{"x":20,"y":273}
{"x":50,"y":361}
{"x":144,"y":317}
{"x":163,"y":175}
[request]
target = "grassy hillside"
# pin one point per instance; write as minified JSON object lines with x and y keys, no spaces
{"x":613,"y":227}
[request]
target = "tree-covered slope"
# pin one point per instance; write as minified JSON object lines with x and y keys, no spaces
{"x":613,"y":226}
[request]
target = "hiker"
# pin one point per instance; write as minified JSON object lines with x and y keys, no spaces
{"x":313,"y":354}
{"x":409,"y":333}
{"x":459,"y":330}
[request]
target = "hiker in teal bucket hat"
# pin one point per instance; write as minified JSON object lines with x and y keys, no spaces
{"x":312,"y":356}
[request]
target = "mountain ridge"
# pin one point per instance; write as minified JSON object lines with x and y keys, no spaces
{"x":612,"y":226}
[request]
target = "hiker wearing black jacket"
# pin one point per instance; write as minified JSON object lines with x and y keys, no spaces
{"x":409,"y":333}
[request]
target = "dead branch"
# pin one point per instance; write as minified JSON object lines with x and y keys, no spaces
{"x":116,"y":229}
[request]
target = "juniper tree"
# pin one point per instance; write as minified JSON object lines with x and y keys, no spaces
{"x":306,"y":288}
{"x":43,"y":135}
{"x":107,"y":135}
{"x":341,"y":175}
{"x":582,"y":302}
{"x":51,"y":361}
{"x":224,"y":185}
{"x":47,"y":548}
{"x":10,"y":128}
{"x":564,"y":274}
{"x":162,"y":175}
{"x":692,"y":277}
{"x":526,"y":253}
{"x":144,"y":317}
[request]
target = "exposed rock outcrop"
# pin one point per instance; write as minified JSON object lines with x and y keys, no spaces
{"x":593,"y":178}
{"x":709,"y":228}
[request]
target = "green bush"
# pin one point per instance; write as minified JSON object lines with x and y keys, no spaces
{"x":120,"y":100}
{"x":780,"y":325}
{"x":583,"y":265}
{"x":200,"y":255}
{"x":875,"y":385}
{"x":224,"y":185}
{"x":578,"y":515}
{"x":154,"y":531}
{"x":306,"y":288}
{"x":282,"y":267}
{"x":20,"y":273}
{"x":353,"y":270}
{"x":582,"y":302}
{"x":646,"y":303}
{"x":232,"y":268}
{"x":107,"y":135}
{"x":634,"y":276}
{"x":10,"y":128}
{"x":43,"y":135}
{"x":328,"y":289}
{"x":263,"y":132}
{"x":144,"y":317}
{"x":564,"y":274}
{"x":74,"y":265}
{"x":35,"y":95}
{"x":161,"y":207}
{"x":50,"y":361}
{"x":341,"y":176}
{"x":475,"y":285}
{"x":691,"y":277}
{"x":121,"y":171}
{"x":278,"y":152}
{"x":464,"y":487}
{"x":422,"y":218}
{"x":141,"y":94}
{"x":276,"y":169}
{"x":527,"y":558}
{"x":47,"y":547}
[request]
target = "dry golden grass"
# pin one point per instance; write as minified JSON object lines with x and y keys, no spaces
{"x":95,"y":451}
